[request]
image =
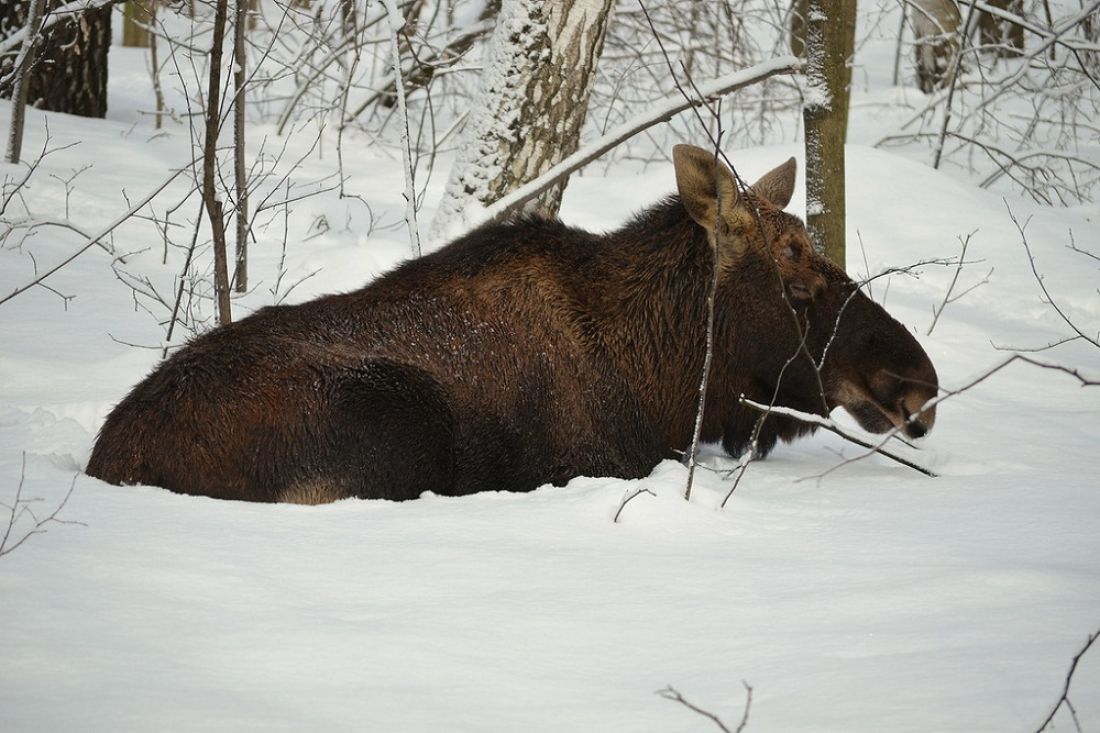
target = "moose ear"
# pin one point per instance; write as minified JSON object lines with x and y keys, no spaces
{"x":704,"y":184}
{"x":777,"y":185}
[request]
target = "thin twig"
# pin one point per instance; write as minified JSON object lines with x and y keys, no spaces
{"x":629,"y":497}
{"x":1042,"y":286}
{"x":671,"y":693}
{"x":827,"y":424}
{"x":1064,"y":699}
{"x":20,"y":507}
{"x":96,"y":238}
{"x":947,"y":299}
{"x":661,"y":111}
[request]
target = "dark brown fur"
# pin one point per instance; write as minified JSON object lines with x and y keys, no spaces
{"x":524,"y":354}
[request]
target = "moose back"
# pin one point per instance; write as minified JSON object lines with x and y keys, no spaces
{"x":525,"y":354}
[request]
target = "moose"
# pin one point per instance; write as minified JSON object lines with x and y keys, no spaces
{"x":528,"y":353}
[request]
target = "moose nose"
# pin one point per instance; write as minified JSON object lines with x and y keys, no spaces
{"x":918,"y":418}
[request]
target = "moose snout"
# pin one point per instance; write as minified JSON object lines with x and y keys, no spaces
{"x":889,"y":401}
{"x":918,"y":418}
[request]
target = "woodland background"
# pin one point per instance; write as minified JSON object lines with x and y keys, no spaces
{"x":154,"y":189}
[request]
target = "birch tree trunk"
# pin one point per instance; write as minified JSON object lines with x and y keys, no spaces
{"x":538,"y":75}
{"x":21,"y":69}
{"x":829,"y":44}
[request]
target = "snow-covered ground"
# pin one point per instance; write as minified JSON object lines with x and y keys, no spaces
{"x":866,"y":598}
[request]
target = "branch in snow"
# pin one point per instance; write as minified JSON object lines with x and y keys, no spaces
{"x":20,"y":508}
{"x":671,"y":693}
{"x":1064,"y":699}
{"x":628,"y":497}
{"x":828,"y":424}
{"x":937,"y":311}
{"x":662,"y":111}
{"x":1042,"y":286}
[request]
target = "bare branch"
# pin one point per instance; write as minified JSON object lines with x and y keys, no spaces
{"x":947,"y":299}
{"x":832,"y":427}
{"x":628,"y":497}
{"x":96,"y":238}
{"x":671,"y":693}
{"x":1038,"y":278}
{"x":21,"y":507}
{"x":661,"y":111}
{"x":1064,"y":699}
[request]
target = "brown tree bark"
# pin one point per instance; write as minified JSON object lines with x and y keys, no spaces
{"x":1006,"y":38}
{"x":214,"y":209}
{"x":136,"y":19}
{"x":829,"y":44}
{"x":70,"y":70}
{"x":240,"y":178}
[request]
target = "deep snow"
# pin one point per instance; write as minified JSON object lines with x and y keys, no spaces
{"x":869,"y":598}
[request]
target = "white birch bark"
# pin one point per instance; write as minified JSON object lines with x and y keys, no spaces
{"x":538,"y":75}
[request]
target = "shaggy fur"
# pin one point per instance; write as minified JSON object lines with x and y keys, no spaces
{"x":522,"y":354}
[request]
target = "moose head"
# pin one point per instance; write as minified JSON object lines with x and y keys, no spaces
{"x":796,"y":330}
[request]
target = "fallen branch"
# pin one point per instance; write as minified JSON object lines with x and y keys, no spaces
{"x":828,"y":424}
{"x":629,"y":497}
{"x":671,"y":693}
{"x":1064,"y":699}
{"x":662,"y":111}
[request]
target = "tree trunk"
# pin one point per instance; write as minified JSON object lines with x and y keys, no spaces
{"x":534,"y":95}
{"x":136,"y":20}
{"x":239,"y":172}
{"x":214,"y":209}
{"x":1007,"y":39}
{"x":70,"y":70}
{"x":829,"y":43}
{"x":21,"y":67}
{"x":799,"y":9}
{"x":422,"y":74}
{"x":936,"y":30}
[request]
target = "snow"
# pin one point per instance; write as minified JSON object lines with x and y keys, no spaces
{"x":867,"y":598}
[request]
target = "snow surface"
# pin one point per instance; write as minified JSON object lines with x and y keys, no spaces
{"x":869,"y":598}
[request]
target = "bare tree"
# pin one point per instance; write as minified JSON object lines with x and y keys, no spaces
{"x":210,"y":195}
{"x":1063,"y":700}
{"x":137,"y":17}
{"x":1005,"y":38}
{"x":23,"y":522}
{"x":671,"y":693}
{"x":240,"y":175}
{"x":21,"y":80}
{"x":70,"y":70}
{"x":936,"y":28}
{"x":538,"y":75}
{"x":1017,"y":123}
{"x":830,"y":42}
